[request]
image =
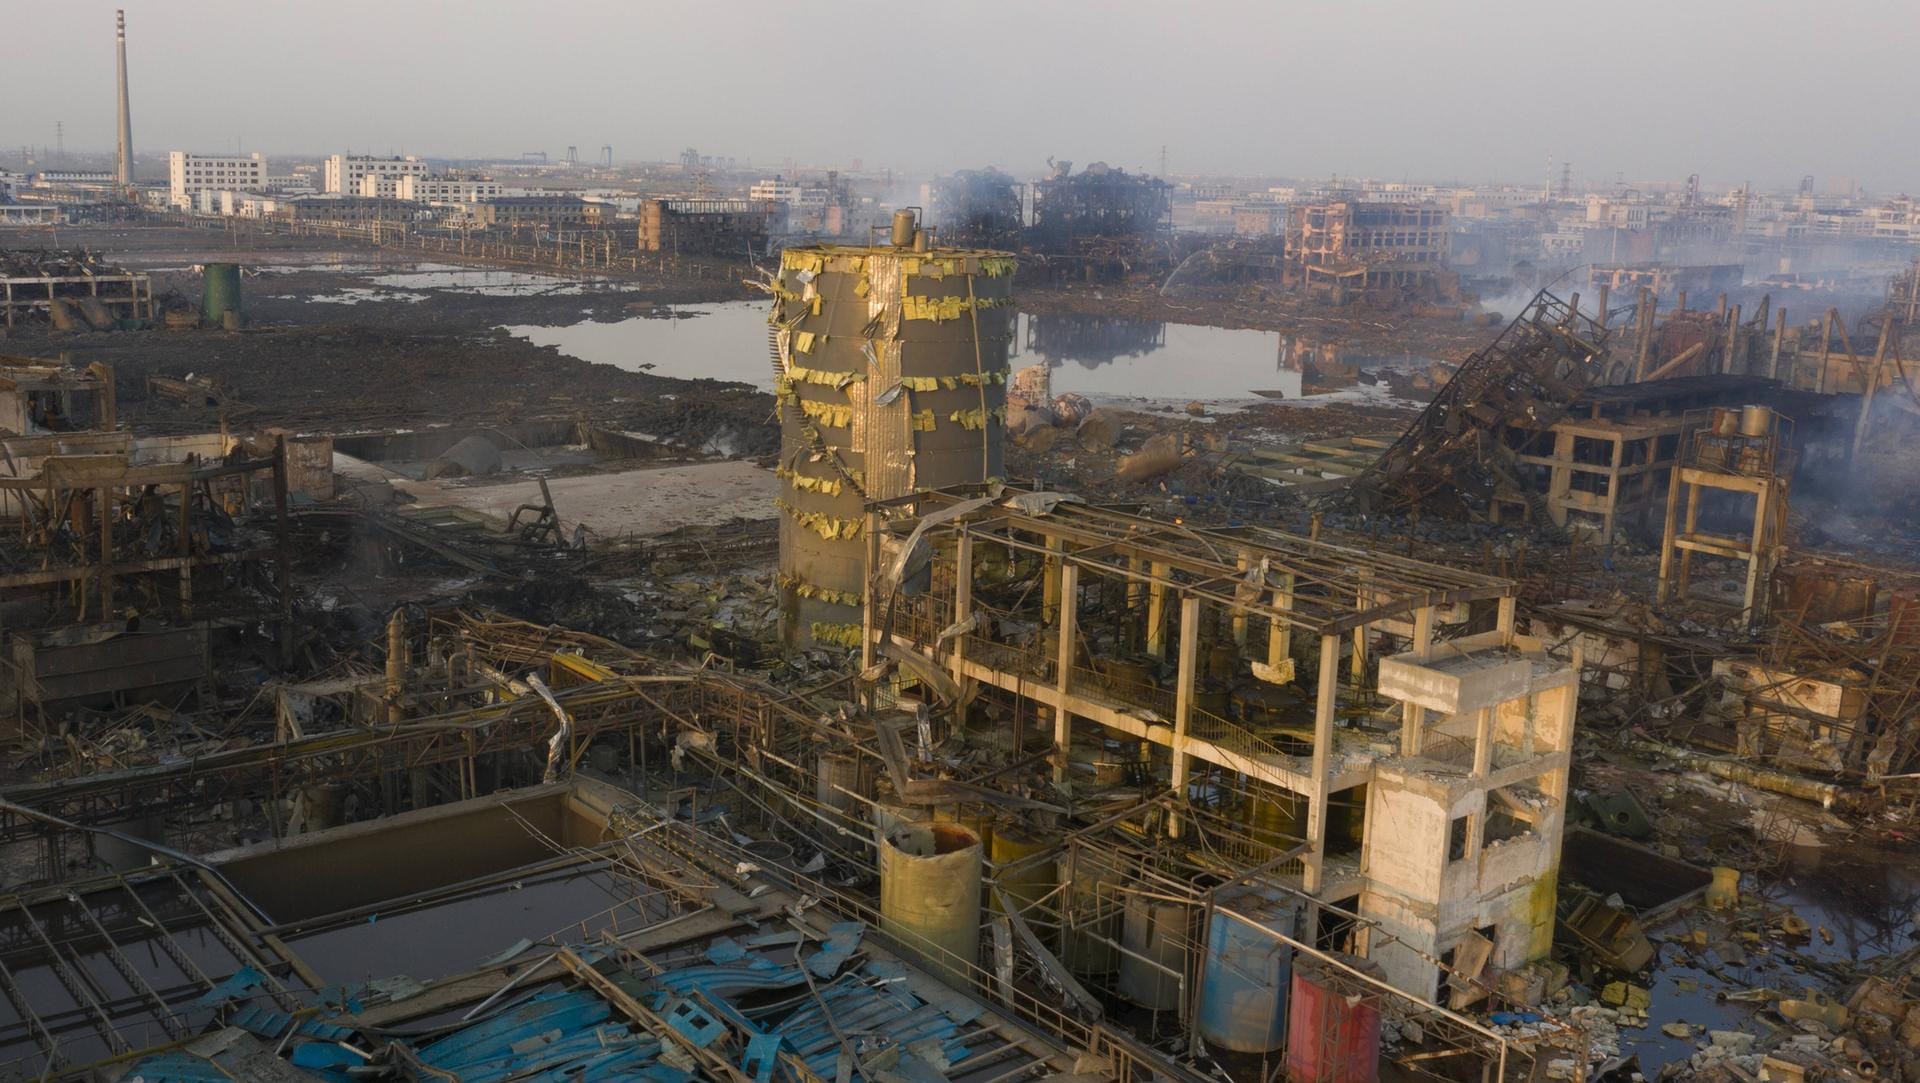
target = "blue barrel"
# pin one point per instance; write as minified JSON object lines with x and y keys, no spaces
{"x":1243,"y":994}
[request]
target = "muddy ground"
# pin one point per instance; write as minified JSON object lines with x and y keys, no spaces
{"x":434,"y":358}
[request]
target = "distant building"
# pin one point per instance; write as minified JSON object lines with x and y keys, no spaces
{"x":29,"y":214}
{"x":541,"y":210}
{"x":794,"y":195}
{"x":343,"y":172}
{"x":425,"y":189}
{"x":292,"y":184}
{"x":58,"y":178}
{"x":190,"y":174}
{"x":1259,"y":220}
{"x":344,"y":210}
{"x":708,"y":227}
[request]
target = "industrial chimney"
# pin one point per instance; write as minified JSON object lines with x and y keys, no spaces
{"x":123,"y":156}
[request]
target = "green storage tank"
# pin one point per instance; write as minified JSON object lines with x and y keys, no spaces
{"x":221,"y":292}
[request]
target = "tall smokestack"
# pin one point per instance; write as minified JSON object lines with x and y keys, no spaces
{"x":123,"y":156}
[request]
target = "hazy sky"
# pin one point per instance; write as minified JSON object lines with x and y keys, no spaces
{"x":1422,"y":89}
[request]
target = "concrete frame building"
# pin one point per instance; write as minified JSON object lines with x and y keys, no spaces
{"x":707,"y":227}
{"x":189,"y":174}
{"x":1437,"y":817}
{"x":1367,"y":245}
{"x":344,"y":171}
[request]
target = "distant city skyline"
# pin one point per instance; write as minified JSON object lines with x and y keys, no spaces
{"x":1430,"y":92}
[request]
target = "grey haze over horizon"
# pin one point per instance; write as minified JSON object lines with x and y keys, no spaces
{"x":1760,"y":91}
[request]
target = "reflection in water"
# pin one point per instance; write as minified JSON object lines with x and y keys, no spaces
{"x":1102,"y":357}
{"x":1126,"y":357}
{"x":1092,"y":340}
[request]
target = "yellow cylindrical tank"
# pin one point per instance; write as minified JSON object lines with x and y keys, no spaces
{"x":970,"y":817}
{"x":1029,"y":883}
{"x":930,"y":896}
{"x":1278,"y":818}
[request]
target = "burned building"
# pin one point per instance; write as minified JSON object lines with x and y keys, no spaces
{"x":70,"y":287}
{"x":1349,"y":247}
{"x":976,"y":207}
{"x":1100,"y":221}
{"x":728,"y":228}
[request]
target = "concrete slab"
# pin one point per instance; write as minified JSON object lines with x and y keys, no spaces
{"x":1455,"y":683}
{"x":641,"y":502}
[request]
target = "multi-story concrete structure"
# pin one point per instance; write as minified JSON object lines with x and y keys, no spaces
{"x":423,"y":189}
{"x":707,"y":227}
{"x":343,"y":172}
{"x":190,"y":174}
{"x":1366,"y":245}
{"x":1438,"y":819}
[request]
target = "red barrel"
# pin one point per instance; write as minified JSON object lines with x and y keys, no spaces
{"x":1333,"y":1023}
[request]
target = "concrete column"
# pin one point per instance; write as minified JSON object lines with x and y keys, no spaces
{"x":1183,"y":704}
{"x":1323,"y":710}
{"x":1413,"y":717}
{"x":1779,"y":337}
{"x":1068,"y":628}
{"x":1050,"y":576}
{"x":1157,"y":611}
{"x":1482,"y":742}
{"x":1279,"y":632}
{"x":1504,"y":621}
{"x":962,"y":598}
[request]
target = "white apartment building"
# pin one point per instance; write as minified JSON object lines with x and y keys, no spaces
{"x":778,"y":190}
{"x":426,"y":189}
{"x":190,"y":174}
{"x":344,"y":172}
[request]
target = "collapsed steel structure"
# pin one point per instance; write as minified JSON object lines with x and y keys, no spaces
{"x":1448,"y":460}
